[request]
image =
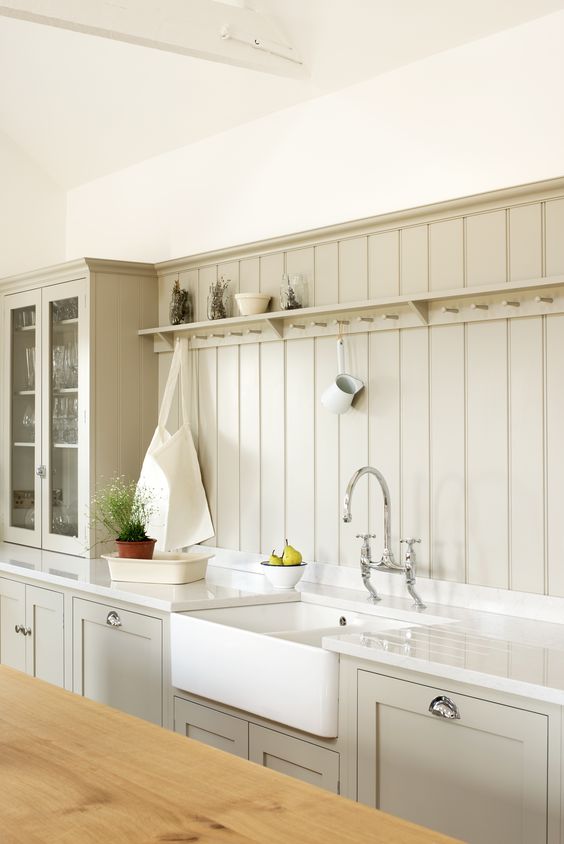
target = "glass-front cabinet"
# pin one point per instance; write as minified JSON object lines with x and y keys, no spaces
{"x":45,"y":365}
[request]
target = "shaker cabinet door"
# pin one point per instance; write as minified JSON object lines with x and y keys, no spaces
{"x":117,"y":659}
{"x":45,"y":635}
{"x":226,"y":732}
{"x":479,"y":775}
{"x":295,"y":757}
{"x":12,"y":623}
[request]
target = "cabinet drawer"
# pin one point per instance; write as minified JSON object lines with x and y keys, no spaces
{"x":117,"y":658}
{"x":226,"y":732}
{"x":294,"y":757}
{"x":481,"y":776}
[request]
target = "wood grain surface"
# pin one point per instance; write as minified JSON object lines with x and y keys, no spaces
{"x":74,"y":771}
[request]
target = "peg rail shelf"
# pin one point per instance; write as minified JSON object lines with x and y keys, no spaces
{"x":533,"y":297}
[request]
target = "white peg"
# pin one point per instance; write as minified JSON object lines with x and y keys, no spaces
{"x":449,"y":310}
{"x":508,"y":304}
{"x":390,"y":316}
{"x":476,"y":307}
{"x":547,"y":299}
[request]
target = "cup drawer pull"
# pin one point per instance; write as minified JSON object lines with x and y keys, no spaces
{"x":113,"y":619}
{"x":444,"y":707}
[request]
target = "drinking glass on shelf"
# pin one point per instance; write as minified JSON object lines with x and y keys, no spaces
{"x":71,"y":364}
{"x":30,"y":367}
{"x":28,"y":423}
{"x":58,"y":367}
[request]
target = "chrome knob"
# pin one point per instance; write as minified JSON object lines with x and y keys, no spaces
{"x":113,"y":619}
{"x":41,"y":471}
{"x":444,"y":707}
{"x":19,"y":628}
{"x":26,"y":631}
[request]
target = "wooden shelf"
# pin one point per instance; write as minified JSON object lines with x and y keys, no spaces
{"x":23,"y":445}
{"x":65,"y":445}
{"x":531,"y":297}
{"x":24,"y":392}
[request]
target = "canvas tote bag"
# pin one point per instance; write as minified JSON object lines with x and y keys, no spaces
{"x":172,"y":471}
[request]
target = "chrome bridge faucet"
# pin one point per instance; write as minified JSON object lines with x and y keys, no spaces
{"x":387,"y":563}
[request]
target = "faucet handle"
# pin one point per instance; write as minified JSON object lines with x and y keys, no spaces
{"x":410,"y":543}
{"x":366,"y":536}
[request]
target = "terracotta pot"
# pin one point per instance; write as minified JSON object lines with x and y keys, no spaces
{"x":136,"y":550}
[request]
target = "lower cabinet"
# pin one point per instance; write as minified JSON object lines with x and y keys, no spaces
{"x":270,"y":748}
{"x":32,"y":630}
{"x":226,"y":732}
{"x":475,"y":769}
{"x":118,"y":658}
{"x":295,"y":757}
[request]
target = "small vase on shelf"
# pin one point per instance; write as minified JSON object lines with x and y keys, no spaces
{"x":180,"y":305}
{"x":293,"y":293}
{"x":219,"y":299}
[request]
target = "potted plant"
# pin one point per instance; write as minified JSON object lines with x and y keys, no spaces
{"x":123,"y":509}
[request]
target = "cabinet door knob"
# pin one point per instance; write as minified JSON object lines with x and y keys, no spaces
{"x":19,"y":628}
{"x":444,"y":707}
{"x":113,"y":619}
{"x":26,"y":631}
{"x":41,"y":472}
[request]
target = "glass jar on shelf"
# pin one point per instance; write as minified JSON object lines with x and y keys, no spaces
{"x":293,"y":292}
{"x":219,"y":299}
{"x":180,"y":310}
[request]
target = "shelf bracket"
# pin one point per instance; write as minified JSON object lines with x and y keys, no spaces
{"x":421,"y":310}
{"x":164,"y":337}
{"x":275,"y":327}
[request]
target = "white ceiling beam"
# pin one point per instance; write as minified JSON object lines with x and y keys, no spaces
{"x":204,"y":29}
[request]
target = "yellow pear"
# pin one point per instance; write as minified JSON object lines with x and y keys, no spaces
{"x":291,"y":557}
{"x":274,"y":559}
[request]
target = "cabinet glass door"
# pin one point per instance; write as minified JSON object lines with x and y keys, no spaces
{"x":23,"y":420}
{"x":62,"y":438}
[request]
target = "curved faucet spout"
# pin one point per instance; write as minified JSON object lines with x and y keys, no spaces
{"x":387,"y":556}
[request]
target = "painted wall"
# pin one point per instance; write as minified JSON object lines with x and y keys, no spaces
{"x":32,"y":213}
{"x":463,"y":418}
{"x":472,"y":119}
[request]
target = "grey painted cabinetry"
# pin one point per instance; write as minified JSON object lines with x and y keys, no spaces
{"x":270,"y":748}
{"x":32,"y":630}
{"x":118,"y":658}
{"x":479,"y":775}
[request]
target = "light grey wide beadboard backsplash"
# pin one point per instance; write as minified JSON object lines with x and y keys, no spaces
{"x":466,"y":421}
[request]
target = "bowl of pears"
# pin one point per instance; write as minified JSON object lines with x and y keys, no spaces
{"x":285,"y":570}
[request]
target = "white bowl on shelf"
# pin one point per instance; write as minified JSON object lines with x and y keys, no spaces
{"x":252,"y":303}
{"x":283,"y":577}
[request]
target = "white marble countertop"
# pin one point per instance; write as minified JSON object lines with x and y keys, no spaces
{"x":522,"y":656}
{"x":223,"y":586}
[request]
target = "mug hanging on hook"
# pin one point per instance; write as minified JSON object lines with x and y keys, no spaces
{"x":338,"y":397}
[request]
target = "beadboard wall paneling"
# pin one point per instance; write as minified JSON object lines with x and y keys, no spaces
{"x":464,"y":420}
{"x":447,"y":452}
{"x":249,"y":448}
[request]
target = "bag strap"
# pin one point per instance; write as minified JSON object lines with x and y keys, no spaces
{"x":179,"y":373}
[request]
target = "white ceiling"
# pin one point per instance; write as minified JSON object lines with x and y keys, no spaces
{"x":83,"y":106}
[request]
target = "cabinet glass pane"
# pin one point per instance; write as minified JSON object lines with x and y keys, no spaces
{"x":22,"y":511}
{"x":63,"y":334}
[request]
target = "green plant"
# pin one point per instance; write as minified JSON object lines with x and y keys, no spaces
{"x":123,"y":510}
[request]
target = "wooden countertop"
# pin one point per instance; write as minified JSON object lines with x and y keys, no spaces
{"x":74,"y":771}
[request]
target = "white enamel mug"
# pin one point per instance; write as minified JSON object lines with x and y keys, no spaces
{"x":338,"y":396}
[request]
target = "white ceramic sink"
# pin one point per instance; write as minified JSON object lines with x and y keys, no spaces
{"x":267,"y":659}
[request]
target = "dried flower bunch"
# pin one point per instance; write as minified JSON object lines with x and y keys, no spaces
{"x":217,"y":299}
{"x":123,"y":510}
{"x":180,"y":305}
{"x":291,"y":293}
